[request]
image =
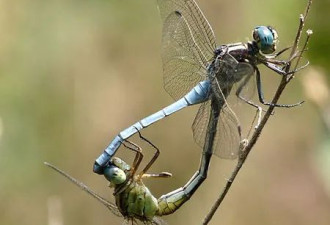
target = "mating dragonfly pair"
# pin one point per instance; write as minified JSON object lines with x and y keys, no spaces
{"x":196,"y":71}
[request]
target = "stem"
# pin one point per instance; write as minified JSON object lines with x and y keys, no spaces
{"x":82,"y":186}
{"x":247,"y":149}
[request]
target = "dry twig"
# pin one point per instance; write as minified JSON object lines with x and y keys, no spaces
{"x":248,"y":145}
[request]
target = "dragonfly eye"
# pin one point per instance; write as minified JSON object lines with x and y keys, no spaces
{"x":114,"y":175}
{"x":266,"y":39}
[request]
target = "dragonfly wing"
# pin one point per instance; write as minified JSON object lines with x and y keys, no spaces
{"x":227,"y":138}
{"x":244,"y":69}
{"x":236,"y":75}
{"x":228,"y":135}
{"x":187,"y":46}
{"x":248,"y":84}
{"x":200,"y":123}
{"x":200,"y":27}
{"x":183,"y":63}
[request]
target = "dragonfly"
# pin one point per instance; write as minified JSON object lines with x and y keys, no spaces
{"x":134,"y":201}
{"x":198,"y":71}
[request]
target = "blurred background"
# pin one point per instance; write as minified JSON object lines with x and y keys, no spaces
{"x":75,"y":73}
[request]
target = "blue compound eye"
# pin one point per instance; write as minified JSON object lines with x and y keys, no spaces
{"x":266,"y":38}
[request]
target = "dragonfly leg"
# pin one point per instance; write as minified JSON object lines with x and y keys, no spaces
{"x":198,"y":94}
{"x":280,"y":52}
{"x":261,"y":95}
{"x":143,"y":173}
{"x":240,"y":89}
{"x":280,"y":70}
{"x":132,"y":170}
{"x":157,"y":175}
{"x":272,"y":58}
{"x":138,"y":157}
{"x":277,"y":62}
{"x":153,"y":159}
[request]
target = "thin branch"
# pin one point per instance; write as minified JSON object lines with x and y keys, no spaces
{"x":248,"y":145}
{"x":112,"y":207}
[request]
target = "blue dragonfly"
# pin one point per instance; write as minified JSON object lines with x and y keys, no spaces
{"x":197,"y":71}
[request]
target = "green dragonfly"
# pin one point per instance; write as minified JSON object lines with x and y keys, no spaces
{"x":134,"y":201}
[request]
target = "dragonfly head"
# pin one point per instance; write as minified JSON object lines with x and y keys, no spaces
{"x":115,"y":171}
{"x":266,"y":39}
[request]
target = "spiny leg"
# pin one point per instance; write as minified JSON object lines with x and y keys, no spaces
{"x":153,"y":159}
{"x":281,"y":52}
{"x":272,"y":58}
{"x":281,"y":71}
{"x":261,"y":95}
{"x":240,"y":89}
{"x":157,"y":175}
{"x":259,"y":108}
{"x":138,"y":157}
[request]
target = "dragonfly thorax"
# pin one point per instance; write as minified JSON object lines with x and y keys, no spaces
{"x":225,"y":66}
{"x":136,"y":201}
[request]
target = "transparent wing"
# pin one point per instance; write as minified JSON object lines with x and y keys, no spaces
{"x":244,"y":69}
{"x":183,"y":63}
{"x":232,"y":77}
{"x":247,"y":87}
{"x":187,"y":46}
{"x":200,"y":123}
{"x":200,"y":27}
{"x":228,"y":134}
{"x":227,"y":137}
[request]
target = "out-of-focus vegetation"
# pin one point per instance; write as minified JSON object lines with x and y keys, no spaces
{"x":75,"y":73}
